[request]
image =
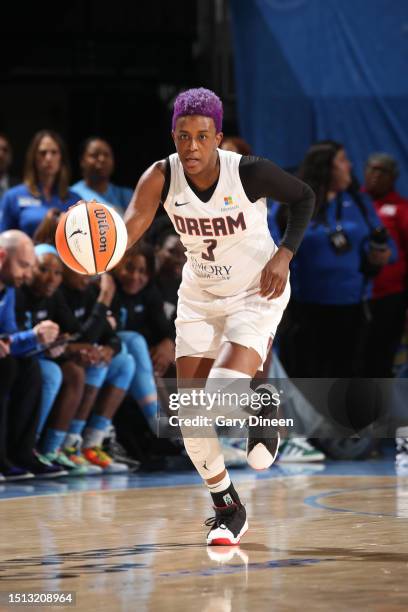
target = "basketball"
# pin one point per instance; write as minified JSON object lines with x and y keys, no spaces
{"x":91,"y":238}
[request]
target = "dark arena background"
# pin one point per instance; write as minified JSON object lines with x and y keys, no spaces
{"x":102,"y":507}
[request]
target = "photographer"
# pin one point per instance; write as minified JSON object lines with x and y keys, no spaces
{"x":343,"y":249}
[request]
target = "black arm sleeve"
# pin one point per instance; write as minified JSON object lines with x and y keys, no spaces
{"x":95,"y":325}
{"x":96,"y":328}
{"x":109,"y":338}
{"x":261,"y":178}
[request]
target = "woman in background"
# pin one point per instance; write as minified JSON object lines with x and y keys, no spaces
{"x":45,"y":185}
{"x":332,"y":271}
{"x":97,"y":165}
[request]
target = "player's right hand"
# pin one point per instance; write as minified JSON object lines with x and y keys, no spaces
{"x":46,"y":331}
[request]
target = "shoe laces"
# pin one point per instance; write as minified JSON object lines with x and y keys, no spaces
{"x":221,"y":518}
{"x":302,"y":443}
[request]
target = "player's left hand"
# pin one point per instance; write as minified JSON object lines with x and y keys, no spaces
{"x":275,"y":274}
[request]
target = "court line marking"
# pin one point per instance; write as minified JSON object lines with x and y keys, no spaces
{"x":313,"y":501}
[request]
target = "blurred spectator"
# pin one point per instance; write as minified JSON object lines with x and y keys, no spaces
{"x":45,"y":186}
{"x":109,"y":371}
{"x":331,"y":271}
{"x":97,"y":165}
{"x":63,"y":381}
{"x":98,"y":351}
{"x":381,"y":174}
{"x":138,"y":305}
{"x":6,"y":181}
{"x":143,"y":326}
{"x":170,"y":259}
{"x":236,"y":144}
{"x":20,"y":378}
{"x":389,"y":304}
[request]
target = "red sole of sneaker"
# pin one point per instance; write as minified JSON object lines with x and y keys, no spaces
{"x":226,"y":542}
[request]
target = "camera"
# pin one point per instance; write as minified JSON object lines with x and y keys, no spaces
{"x":377,"y":241}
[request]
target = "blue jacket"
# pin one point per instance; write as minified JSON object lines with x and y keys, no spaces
{"x":23,"y":341}
{"x":318,"y":274}
{"x":19,"y":209}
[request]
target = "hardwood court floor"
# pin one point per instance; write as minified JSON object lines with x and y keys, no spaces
{"x":325,"y":541}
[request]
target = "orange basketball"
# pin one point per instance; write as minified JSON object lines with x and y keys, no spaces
{"x":91,"y":238}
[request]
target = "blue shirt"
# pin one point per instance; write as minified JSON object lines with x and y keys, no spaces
{"x":19,"y":209}
{"x":113,"y":196}
{"x":21,"y":342}
{"x":318,"y":274}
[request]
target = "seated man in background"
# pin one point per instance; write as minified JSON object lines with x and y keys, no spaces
{"x":20,"y":377}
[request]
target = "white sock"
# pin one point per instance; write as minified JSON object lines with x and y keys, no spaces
{"x":93,"y":437}
{"x":402,"y":432}
{"x":72,"y":439}
{"x":221,"y":486}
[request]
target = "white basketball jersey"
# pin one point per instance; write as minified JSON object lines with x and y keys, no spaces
{"x":227,"y":239}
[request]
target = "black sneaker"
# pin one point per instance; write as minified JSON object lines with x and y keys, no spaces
{"x":227,"y":526}
{"x":42,"y":468}
{"x":13,"y":472}
{"x":118,"y":452}
{"x":263,"y":439}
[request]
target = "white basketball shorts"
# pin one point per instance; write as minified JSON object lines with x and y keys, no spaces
{"x":205,"y":321}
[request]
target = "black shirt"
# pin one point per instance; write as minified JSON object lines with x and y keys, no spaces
{"x":91,"y":323}
{"x":31,"y":310}
{"x":143,"y":313}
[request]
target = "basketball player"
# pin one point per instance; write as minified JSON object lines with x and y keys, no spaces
{"x":235,"y":281}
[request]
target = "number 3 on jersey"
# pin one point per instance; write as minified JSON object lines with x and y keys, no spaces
{"x":209,"y":255}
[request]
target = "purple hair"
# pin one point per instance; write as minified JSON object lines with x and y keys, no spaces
{"x":198,"y":102}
